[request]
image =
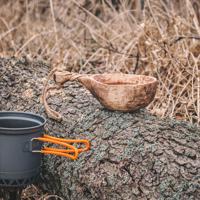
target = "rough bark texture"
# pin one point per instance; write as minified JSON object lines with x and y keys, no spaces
{"x":133,"y":155}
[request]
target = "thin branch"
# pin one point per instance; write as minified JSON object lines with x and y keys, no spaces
{"x":184,"y":37}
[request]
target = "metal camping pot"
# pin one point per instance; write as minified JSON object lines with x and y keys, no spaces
{"x":21,"y":147}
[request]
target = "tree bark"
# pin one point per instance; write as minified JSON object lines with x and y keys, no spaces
{"x":133,"y":155}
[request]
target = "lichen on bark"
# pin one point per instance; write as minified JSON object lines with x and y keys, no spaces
{"x":133,"y":155}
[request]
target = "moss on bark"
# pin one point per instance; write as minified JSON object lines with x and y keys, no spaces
{"x":133,"y":155}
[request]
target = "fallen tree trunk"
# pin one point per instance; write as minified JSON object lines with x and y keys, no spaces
{"x":133,"y":155}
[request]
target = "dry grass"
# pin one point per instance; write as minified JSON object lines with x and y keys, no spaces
{"x":33,"y":193}
{"x":84,"y":36}
{"x":161,"y":40}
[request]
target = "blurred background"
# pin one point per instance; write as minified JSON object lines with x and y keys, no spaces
{"x":155,"y":37}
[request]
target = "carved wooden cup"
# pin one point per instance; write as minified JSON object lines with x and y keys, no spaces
{"x":123,"y":92}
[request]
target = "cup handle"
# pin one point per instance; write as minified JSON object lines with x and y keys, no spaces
{"x":70,"y":151}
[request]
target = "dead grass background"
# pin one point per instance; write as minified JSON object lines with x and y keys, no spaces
{"x":160,"y":39}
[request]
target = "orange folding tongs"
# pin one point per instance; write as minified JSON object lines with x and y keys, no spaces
{"x":71,"y":151}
